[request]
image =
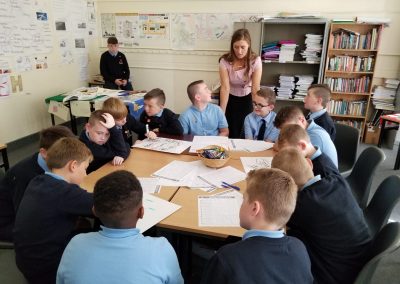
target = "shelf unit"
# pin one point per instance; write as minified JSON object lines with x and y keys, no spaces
{"x":350,"y":71}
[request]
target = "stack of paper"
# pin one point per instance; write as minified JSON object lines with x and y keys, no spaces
{"x":302,"y":84}
{"x":312,"y":53}
{"x":287,"y":51}
{"x":287,"y":86}
{"x":383,"y":98}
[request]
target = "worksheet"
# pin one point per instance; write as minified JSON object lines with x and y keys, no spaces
{"x":255,"y":163}
{"x":219,"y":210}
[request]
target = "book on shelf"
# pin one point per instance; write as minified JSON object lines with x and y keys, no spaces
{"x":348,"y":39}
{"x":351,"y":63}
{"x":350,"y":85}
{"x":343,"y":107}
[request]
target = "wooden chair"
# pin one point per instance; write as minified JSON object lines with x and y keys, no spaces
{"x":3,"y":150}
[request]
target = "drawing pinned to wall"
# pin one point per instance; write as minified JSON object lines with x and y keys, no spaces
{"x":127,"y":29}
{"x":154,"y":26}
{"x":5,"y":85}
{"x":91,"y":16}
{"x":108,"y":24}
{"x":41,"y":62}
{"x":214,"y":26}
{"x":23,"y":64}
{"x":183,"y":31}
{"x":5,"y":67}
{"x":65,"y":51}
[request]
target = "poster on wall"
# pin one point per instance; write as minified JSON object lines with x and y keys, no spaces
{"x":214,"y":26}
{"x":183,"y":31}
{"x":154,"y":26}
{"x":108,"y":25}
{"x":23,"y":64}
{"x":91,"y":16}
{"x":127,"y":29}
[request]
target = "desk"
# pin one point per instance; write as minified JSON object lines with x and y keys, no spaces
{"x":392,"y":118}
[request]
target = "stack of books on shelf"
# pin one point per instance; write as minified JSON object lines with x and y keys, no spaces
{"x":348,"y":39}
{"x":312,"y":53}
{"x":384,"y":97}
{"x":270,"y":51}
{"x":98,"y":78}
{"x":286,"y":87}
{"x":342,"y":107}
{"x":355,"y":123}
{"x":351,"y":63}
{"x":349,"y":85}
{"x":302,"y":84}
{"x":287,"y":51}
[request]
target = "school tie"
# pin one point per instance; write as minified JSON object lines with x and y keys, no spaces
{"x":261,"y":131}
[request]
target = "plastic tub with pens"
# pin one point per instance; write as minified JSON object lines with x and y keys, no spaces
{"x":214,"y":156}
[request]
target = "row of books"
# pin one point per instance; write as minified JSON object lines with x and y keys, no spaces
{"x":348,"y":39}
{"x":351,"y":63}
{"x":350,"y":85}
{"x":355,"y":123}
{"x":347,"y":107}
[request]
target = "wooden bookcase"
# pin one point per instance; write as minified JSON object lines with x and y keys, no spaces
{"x":349,"y":71}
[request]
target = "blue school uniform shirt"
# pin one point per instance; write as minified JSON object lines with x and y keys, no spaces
{"x":203,"y":123}
{"x":252,"y":124}
{"x":320,"y":138}
{"x":118,"y":256}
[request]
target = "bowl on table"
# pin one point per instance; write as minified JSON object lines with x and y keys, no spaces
{"x":214,"y":156}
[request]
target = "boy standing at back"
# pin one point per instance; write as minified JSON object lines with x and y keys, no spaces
{"x":14,"y":183}
{"x":105,"y":141}
{"x":203,"y":118}
{"x":259,"y":125}
{"x":158,"y":118}
{"x":318,"y":96}
{"x":49,"y":210}
{"x":118,"y":252}
{"x":327,"y":219}
{"x":265,"y":255}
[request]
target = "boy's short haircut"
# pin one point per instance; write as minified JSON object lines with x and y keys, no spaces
{"x":96,"y":116}
{"x":268,"y":94}
{"x":50,"y":135}
{"x":156,"y":94}
{"x":291,"y":134}
{"x":276,"y":191}
{"x":293,"y":162}
{"x":321,"y":91}
{"x":192,"y":89}
{"x":115,"y":107}
{"x":112,"y":40}
{"x":116,"y":193}
{"x":285,"y":114}
{"x":65,"y":150}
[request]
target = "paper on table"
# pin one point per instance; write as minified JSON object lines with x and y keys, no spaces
{"x":163,"y":145}
{"x":150,"y":185}
{"x":175,"y":171}
{"x":255,"y":163}
{"x":155,"y":210}
{"x":250,"y":145}
{"x":200,"y":142}
{"x":219,"y":211}
{"x":226,"y":174}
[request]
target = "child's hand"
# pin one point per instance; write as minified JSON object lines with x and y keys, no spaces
{"x":151,"y":135}
{"x":110,"y":122}
{"x":117,"y":161}
{"x":156,"y":130}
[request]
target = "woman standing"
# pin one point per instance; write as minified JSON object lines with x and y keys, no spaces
{"x":240,"y":73}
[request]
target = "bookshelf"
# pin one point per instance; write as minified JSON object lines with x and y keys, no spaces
{"x":294,"y":30}
{"x":349,"y":71}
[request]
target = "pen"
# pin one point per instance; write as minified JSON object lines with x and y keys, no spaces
{"x":225,"y":184}
{"x":147,"y":129}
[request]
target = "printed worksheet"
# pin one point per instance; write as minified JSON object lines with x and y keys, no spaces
{"x":249,"y":145}
{"x":200,"y":142}
{"x":219,"y":210}
{"x":150,"y":185}
{"x":163,"y":145}
{"x":255,"y":163}
{"x":227,"y":175}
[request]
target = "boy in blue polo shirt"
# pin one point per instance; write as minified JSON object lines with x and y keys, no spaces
{"x":266,"y":254}
{"x":259,"y":125}
{"x":118,"y":253}
{"x":203,"y":118}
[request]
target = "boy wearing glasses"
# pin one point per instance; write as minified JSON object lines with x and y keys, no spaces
{"x":259,"y":125}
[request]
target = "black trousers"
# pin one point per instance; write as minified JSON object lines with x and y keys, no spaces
{"x":113,"y":86}
{"x":236,"y":111}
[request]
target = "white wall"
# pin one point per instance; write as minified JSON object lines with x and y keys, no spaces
{"x":25,"y":113}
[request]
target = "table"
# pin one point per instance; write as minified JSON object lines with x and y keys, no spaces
{"x":395,"y":118}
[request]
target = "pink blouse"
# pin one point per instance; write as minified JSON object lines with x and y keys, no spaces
{"x":238,"y":85}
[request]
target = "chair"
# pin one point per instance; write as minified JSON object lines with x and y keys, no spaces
{"x":386,"y":242}
{"x":360,"y":178}
{"x":9,"y":272}
{"x":382,"y":203}
{"x":346,"y":143}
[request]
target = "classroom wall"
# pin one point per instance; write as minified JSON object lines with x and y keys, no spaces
{"x":25,"y":113}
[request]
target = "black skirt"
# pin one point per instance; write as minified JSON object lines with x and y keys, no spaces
{"x":236,"y":111}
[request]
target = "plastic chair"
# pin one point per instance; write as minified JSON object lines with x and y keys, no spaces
{"x":382,"y":203}
{"x":360,"y":178}
{"x":346,"y":143}
{"x":9,"y":272}
{"x":386,"y":242}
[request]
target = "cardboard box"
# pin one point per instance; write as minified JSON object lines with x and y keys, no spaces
{"x":371,"y":135}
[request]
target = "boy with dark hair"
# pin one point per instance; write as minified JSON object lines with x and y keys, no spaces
{"x":118,"y":252}
{"x":123,"y":120}
{"x":114,"y":67}
{"x":49,"y":210}
{"x":105,"y":141}
{"x":158,"y":118}
{"x":14,"y":183}
{"x":203,"y":118}
{"x":259,"y":125}
{"x":327,"y":219}
{"x":318,"y":136}
{"x":318,"y":96}
{"x":293,"y":135}
{"x":265,"y":255}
